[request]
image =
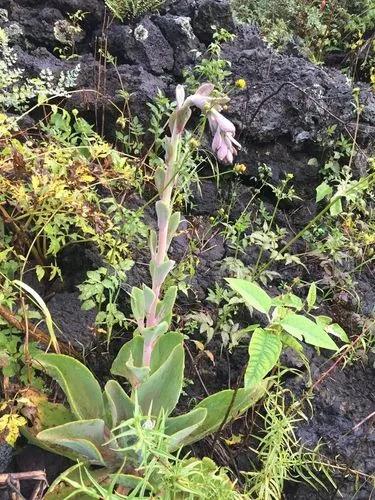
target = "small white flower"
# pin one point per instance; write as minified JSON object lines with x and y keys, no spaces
{"x":140,"y":33}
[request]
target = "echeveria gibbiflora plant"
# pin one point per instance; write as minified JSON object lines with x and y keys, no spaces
{"x":153,"y":361}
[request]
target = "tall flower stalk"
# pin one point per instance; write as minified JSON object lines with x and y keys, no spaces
{"x":153,"y":313}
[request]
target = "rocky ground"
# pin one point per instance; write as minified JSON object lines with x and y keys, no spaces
{"x":287,"y":103}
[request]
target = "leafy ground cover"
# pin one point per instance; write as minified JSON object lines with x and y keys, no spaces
{"x":187,"y":247}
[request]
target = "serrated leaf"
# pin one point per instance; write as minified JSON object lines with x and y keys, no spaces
{"x":78,"y":383}
{"x":302,"y":327}
{"x":264,"y":351}
{"x":40,"y":272}
{"x":252,"y":293}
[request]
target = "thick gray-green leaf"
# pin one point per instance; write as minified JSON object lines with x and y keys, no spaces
{"x":78,"y":383}
{"x":264,"y":351}
{"x":84,"y":438}
{"x":252,"y":294}
{"x":133,"y":348}
{"x":159,"y":178}
{"x":160,"y":272}
{"x":162,"y":389}
{"x":179,"y":428}
{"x":137,"y":302}
{"x":163,"y":348}
{"x":163,"y":213}
{"x":217,"y":406}
{"x":164,"y":309}
{"x":300,"y":326}
{"x":120,"y":406}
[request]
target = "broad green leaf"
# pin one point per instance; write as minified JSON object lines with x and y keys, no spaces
{"x":120,"y":406}
{"x":78,"y":383}
{"x":300,"y":326}
{"x":152,"y":333}
{"x":179,"y":428}
{"x":84,"y":438}
{"x":163,"y":347}
{"x":253,"y":295}
{"x":149,"y":297}
{"x":264,"y":350}
{"x":336,"y":208}
{"x":217,"y":407}
{"x":323,"y":191}
{"x":288,"y":300}
{"x":162,"y":389}
{"x":336,"y":330}
{"x":311,"y":296}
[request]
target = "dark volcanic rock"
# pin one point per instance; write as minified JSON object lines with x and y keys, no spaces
{"x":142,"y":43}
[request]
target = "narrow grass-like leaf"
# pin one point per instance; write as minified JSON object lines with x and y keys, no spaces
{"x":43,"y":307}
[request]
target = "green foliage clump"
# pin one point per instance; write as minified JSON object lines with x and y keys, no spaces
{"x":129,"y":9}
{"x":322,"y":27}
{"x":16,"y":91}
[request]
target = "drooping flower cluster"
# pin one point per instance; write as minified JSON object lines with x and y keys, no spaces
{"x":224,"y":144}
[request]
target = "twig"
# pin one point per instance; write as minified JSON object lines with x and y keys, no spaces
{"x":363,"y":421}
{"x":34,"y":332}
{"x":197,"y":371}
{"x":230,"y":406}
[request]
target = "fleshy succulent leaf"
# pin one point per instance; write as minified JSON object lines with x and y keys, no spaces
{"x":217,"y":406}
{"x":82,"y":438}
{"x":120,"y":406}
{"x":179,"y":428}
{"x":161,"y":391}
{"x":78,"y":383}
{"x":132,"y":349}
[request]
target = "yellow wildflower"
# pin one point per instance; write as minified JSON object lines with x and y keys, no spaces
{"x":241,"y":83}
{"x":239,"y":168}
